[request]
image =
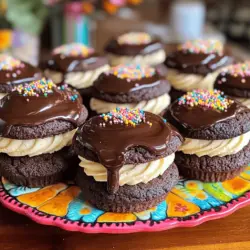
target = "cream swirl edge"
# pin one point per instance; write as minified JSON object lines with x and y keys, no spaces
{"x":155,"y":105}
{"x":129,"y":174}
{"x":215,"y":147}
{"x":188,"y":82}
{"x":155,"y":58}
{"x":34,"y":147}
{"x":244,"y":101}
{"x":79,"y":80}
{"x":2,"y":95}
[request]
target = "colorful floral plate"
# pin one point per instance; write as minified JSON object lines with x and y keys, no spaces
{"x":189,"y":204}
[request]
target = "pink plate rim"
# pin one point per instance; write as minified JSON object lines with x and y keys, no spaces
{"x":112,"y":228}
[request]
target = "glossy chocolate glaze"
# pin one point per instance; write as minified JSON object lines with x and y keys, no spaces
{"x":114,"y":47}
{"x":21,"y":75}
{"x":66,"y":64}
{"x":110,"y":142}
{"x":187,"y":118}
{"x":192,"y":63}
{"x":111,"y":84}
{"x":16,"y":109}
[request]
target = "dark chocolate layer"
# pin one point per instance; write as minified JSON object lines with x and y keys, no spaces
{"x":201,"y":64}
{"x":112,"y":142}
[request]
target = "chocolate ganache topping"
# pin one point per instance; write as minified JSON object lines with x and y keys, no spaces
{"x":74,"y":57}
{"x":39,"y":102}
{"x":198,"y":57}
{"x":133,"y":43}
{"x":13,"y":72}
{"x":200,"y":109}
{"x":235,"y":80}
{"x":111,"y":135}
{"x":127,"y":78}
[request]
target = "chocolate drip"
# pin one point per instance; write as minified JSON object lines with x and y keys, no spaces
{"x":111,"y":142}
{"x":201,"y":64}
{"x":197,"y":117}
{"x":66,"y":64}
{"x":133,"y":49}
{"x":16,"y":109}
{"x":111,"y":84}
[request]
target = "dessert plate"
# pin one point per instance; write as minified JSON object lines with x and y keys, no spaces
{"x":190,"y":203}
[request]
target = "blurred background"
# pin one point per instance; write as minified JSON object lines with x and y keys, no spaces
{"x":29,"y":29}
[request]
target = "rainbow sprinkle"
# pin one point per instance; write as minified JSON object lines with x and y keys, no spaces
{"x":202,"y":46}
{"x":9,"y":63}
{"x":206,"y":98}
{"x":36,"y":88}
{"x":134,"y":38}
{"x":132,"y":72}
{"x":125,"y":116}
{"x":73,"y":49}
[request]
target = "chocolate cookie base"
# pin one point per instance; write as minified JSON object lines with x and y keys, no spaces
{"x":37,"y":171}
{"x":134,"y":198}
{"x":212,"y":169}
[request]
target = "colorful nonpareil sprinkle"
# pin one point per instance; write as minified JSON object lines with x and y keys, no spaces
{"x":9,"y":63}
{"x":132,"y":72}
{"x":238,"y":70}
{"x":37,"y":88}
{"x":202,"y":46}
{"x":125,"y":116}
{"x":134,"y":38}
{"x":211,"y":99}
{"x":73,"y":49}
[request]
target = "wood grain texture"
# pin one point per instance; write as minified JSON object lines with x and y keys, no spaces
{"x":19,"y":232}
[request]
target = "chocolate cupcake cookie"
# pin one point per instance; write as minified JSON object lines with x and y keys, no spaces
{"x":76,"y":65}
{"x":127,"y":160}
{"x":136,"y":48}
{"x":38,"y":120}
{"x":14,"y":72}
{"x":217,"y":134}
{"x":131,"y":86}
{"x":195,"y":65}
{"x":235,"y":82}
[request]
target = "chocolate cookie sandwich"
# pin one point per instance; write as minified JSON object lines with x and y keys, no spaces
{"x":14,"y":72}
{"x":195,"y":65}
{"x":235,"y":82}
{"x":38,"y":120}
{"x":131,"y":86}
{"x":127,"y":160}
{"x":76,"y":65}
{"x":217,"y":134}
{"x":137,"y":48}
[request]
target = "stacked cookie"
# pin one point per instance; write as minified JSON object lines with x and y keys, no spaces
{"x":131,"y":86}
{"x":217,"y":135}
{"x":127,"y":160}
{"x":195,"y":65}
{"x":38,"y":121}
{"x":13,"y":72}
{"x":76,"y":65}
{"x":235,"y":82}
{"x":136,"y":48}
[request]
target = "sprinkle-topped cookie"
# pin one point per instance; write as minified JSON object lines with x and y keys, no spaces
{"x":134,"y":38}
{"x":9,"y":63}
{"x":125,"y":116}
{"x":132,"y":72}
{"x":238,"y":70}
{"x":202,"y":46}
{"x":209,"y":99}
{"x":73,"y":49}
{"x":41,"y":87}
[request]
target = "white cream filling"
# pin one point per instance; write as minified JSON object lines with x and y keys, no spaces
{"x":2,"y":95}
{"x":79,"y":80}
{"x":189,"y":82}
{"x":129,"y":174}
{"x":155,"y":105}
{"x":152,"y":59}
{"x":34,"y":147}
{"x":215,"y":147}
{"x":244,"y":101}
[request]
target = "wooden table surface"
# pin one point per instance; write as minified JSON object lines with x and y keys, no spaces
{"x":232,"y":232}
